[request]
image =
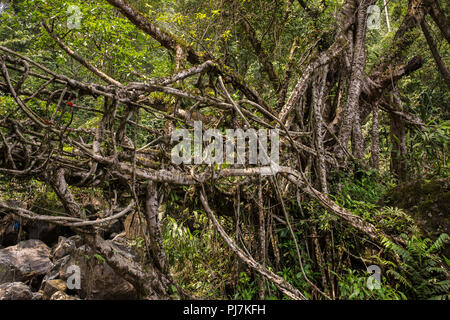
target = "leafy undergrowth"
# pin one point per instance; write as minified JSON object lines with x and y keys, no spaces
{"x":419,"y":270}
{"x":204,"y":266}
{"x":200,"y":262}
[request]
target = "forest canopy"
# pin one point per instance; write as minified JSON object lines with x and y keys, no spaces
{"x":351,"y":96}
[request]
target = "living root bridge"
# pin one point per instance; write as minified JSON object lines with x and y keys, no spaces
{"x":318,"y":121}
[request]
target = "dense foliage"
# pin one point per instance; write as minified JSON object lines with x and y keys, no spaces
{"x":267,"y":46}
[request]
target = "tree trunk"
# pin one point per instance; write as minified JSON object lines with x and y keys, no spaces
{"x":440,"y":19}
{"x":434,"y":50}
{"x":351,"y":109}
{"x":386,"y":11}
{"x":317,"y":101}
{"x":398,"y":140}
{"x":375,"y":147}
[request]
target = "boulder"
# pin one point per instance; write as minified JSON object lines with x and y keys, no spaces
{"x":37,"y":296}
{"x":52,"y":286}
{"x":15,"y":291}
{"x":59,"y":295}
{"x":64,"y":247}
{"x":427,"y":202}
{"x":54,"y":271}
{"x":98,"y":280}
{"x":33,"y":262}
{"x":61,"y":255}
{"x":25,"y":261}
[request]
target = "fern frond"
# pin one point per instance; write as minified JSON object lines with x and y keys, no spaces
{"x":439,"y":243}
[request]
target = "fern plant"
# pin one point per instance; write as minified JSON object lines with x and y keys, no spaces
{"x":422,"y":272}
{"x":394,"y":220}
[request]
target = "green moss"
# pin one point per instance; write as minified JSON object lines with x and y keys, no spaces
{"x":427,"y":201}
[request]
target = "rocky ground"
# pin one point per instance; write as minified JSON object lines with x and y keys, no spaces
{"x":33,"y":270}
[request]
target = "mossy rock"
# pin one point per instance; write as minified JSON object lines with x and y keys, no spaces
{"x":427,"y":201}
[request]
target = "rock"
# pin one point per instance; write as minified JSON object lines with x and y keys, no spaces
{"x":59,"y":295}
{"x":37,"y":296}
{"x":15,"y":291}
{"x":52,"y":286}
{"x":26,"y":260}
{"x":31,"y":260}
{"x":427,"y":202}
{"x":57,"y":266}
{"x":98,"y":280}
{"x":64,"y":247}
{"x":77,"y":239}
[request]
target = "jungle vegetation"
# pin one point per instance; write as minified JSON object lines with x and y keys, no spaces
{"x":91,"y":92}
